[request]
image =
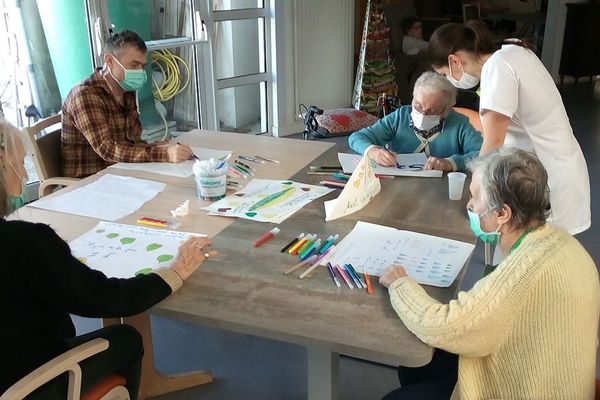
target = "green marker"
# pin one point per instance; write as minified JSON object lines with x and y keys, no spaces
{"x":269,"y":199}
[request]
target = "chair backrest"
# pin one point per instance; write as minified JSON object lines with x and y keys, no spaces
{"x":43,"y":141}
{"x":111,"y":388}
{"x":473,"y":117}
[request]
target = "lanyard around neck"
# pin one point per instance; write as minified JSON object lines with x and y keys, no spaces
{"x":520,"y":239}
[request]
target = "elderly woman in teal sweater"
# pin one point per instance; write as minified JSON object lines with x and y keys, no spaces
{"x":429,"y":125}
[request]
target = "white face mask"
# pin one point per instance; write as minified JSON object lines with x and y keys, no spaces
{"x":424,"y":122}
{"x":466,"y":81}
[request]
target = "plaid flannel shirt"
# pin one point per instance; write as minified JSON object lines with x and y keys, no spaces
{"x":97,"y":131}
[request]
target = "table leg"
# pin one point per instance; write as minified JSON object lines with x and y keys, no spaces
{"x":323,"y":373}
{"x":153,"y":383}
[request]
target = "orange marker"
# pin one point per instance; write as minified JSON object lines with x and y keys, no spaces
{"x":369,"y":287}
{"x":294,"y":248}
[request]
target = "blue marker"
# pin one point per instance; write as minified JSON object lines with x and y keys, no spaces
{"x":352,"y":276}
{"x":362,"y":282}
{"x":313,"y":248}
{"x":328,"y":243}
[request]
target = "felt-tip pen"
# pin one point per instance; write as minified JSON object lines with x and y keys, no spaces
{"x":265,"y":237}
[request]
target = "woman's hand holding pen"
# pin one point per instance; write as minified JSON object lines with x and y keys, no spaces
{"x":191,"y":255}
{"x":383,"y":157}
{"x":439,"y":164}
{"x":391,"y":274}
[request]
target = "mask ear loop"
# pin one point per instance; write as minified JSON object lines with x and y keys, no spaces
{"x":450,"y":68}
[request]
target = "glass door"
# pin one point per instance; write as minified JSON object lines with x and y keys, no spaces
{"x":235,"y":80}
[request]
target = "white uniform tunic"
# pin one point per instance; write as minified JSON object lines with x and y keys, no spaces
{"x":515,"y":83}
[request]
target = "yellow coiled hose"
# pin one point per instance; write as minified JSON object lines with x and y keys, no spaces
{"x":167,"y":63}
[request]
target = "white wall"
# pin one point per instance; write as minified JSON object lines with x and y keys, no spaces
{"x":553,"y":35}
{"x":314,"y":59}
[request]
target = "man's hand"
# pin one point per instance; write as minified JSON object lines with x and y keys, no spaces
{"x":392,"y":273}
{"x":383,"y":157}
{"x":440,"y":164}
{"x":178,"y":153}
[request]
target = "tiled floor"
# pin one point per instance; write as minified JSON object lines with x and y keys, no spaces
{"x":253,"y":368}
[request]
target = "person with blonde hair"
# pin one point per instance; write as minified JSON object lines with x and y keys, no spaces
{"x":528,"y":330}
{"x":41,"y":283}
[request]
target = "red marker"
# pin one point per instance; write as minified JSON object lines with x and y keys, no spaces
{"x":265,"y":236}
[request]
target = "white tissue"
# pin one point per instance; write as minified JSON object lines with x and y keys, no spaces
{"x":182,"y":210}
{"x":209,"y":167}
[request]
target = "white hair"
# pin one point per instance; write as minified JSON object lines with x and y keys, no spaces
{"x":432,"y":82}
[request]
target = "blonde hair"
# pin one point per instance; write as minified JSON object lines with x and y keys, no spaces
{"x":9,"y":135}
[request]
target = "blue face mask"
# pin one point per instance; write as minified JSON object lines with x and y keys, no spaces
{"x":133,"y":80}
{"x":487,"y":237}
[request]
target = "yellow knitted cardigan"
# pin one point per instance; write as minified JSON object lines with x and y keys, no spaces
{"x":528,"y":330}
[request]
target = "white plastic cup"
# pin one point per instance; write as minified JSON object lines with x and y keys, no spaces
{"x":456,"y":182}
{"x":212,"y":188}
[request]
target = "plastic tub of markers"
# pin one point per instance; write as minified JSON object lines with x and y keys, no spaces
{"x":212,"y":188}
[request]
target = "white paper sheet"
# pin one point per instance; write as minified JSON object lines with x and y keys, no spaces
{"x":358,"y":192}
{"x":411,"y":165}
{"x":123,"y":251}
{"x":267,"y":200}
{"x":430,"y":260}
{"x":109,"y":198}
{"x":182,"y":169}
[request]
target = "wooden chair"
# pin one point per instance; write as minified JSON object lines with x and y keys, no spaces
{"x":111,"y":388}
{"x":43,"y":143}
{"x":473,"y":117}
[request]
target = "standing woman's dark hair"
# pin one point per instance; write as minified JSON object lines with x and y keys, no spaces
{"x":474,"y":37}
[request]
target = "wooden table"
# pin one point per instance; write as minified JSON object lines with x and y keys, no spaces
{"x":244,"y":290}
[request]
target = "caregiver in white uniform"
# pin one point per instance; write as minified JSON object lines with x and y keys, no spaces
{"x":521,"y":107}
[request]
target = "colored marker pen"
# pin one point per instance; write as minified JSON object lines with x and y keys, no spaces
{"x":152,"y":222}
{"x":362,"y":283}
{"x":344,"y":275}
{"x":294,"y":248}
{"x":306,"y":245}
{"x":369,"y":287}
{"x":387,"y":148}
{"x":332,"y":274}
{"x":244,"y":165}
{"x":293,"y":242}
{"x":322,"y":256}
{"x":349,"y":272}
{"x":329,"y":242}
{"x":312,"y":249}
{"x":265,"y":236}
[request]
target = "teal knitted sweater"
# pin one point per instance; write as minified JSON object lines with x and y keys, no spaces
{"x":458,"y":141}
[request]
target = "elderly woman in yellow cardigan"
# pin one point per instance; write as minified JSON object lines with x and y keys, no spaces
{"x":529,"y":329}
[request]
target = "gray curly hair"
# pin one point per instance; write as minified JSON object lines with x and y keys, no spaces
{"x":516,"y":178}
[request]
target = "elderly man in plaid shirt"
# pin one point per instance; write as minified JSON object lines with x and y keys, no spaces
{"x":100,"y":119}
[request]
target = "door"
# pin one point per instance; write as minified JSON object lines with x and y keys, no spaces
{"x":235,"y":79}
